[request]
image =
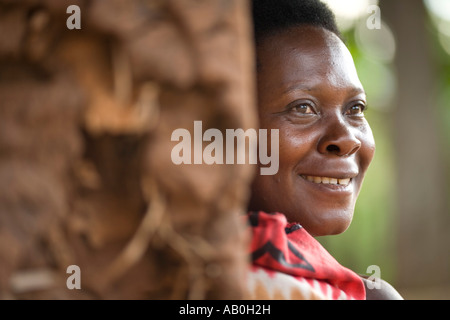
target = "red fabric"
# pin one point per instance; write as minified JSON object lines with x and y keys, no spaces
{"x":289,"y":248}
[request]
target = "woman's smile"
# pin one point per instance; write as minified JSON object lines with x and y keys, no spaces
{"x":340,"y":180}
{"x":333,"y":183}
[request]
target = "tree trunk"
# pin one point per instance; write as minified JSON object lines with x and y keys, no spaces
{"x":86,"y":176}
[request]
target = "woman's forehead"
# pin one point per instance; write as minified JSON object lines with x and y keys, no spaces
{"x":306,"y":56}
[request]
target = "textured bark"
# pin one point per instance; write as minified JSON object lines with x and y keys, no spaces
{"x":86,"y":176}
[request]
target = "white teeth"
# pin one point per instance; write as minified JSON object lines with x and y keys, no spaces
{"x":327,"y":180}
{"x":344,"y":181}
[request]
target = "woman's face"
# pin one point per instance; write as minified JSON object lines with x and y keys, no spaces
{"x":308,"y":88}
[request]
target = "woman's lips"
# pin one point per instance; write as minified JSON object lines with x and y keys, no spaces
{"x":327,"y":180}
{"x":338,"y":183}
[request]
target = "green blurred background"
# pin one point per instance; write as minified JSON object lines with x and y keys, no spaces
{"x":401,"y":50}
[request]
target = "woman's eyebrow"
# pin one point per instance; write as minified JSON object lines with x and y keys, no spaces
{"x":303,"y":87}
{"x":357,"y":90}
{"x":300,"y":86}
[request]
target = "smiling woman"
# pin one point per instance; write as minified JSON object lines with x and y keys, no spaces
{"x":308,"y":88}
{"x":324,"y":137}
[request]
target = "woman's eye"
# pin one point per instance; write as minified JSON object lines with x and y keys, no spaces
{"x":303,"y":109}
{"x":356,"y":110}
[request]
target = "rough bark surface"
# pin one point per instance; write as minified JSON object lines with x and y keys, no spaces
{"x":86,"y":176}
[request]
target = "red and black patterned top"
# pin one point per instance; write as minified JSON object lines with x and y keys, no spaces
{"x":288,"y":263}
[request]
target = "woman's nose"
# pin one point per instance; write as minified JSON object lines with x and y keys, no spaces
{"x":338,"y":139}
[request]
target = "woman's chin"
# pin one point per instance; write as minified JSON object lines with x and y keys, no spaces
{"x":331,"y":224}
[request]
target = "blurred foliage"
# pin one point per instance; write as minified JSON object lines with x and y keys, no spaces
{"x":442,"y":102}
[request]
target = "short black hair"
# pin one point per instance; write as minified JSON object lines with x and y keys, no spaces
{"x":271,"y":16}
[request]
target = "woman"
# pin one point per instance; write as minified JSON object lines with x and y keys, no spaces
{"x":308,"y":88}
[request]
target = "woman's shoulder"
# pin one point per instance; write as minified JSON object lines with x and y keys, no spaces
{"x":381,"y":291}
